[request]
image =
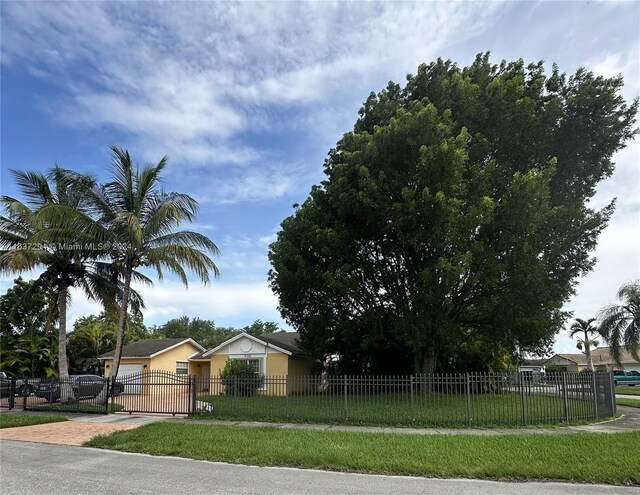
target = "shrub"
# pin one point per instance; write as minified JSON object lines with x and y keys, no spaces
{"x":240,"y":379}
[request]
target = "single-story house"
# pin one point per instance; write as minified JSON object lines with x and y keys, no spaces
{"x":169,"y":355}
{"x":602,"y":361}
{"x":273,"y":355}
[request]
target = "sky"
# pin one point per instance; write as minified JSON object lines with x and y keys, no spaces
{"x":246,"y":99}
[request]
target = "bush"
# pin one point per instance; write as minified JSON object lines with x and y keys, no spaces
{"x":240,"y":379}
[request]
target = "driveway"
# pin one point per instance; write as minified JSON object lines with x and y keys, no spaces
{"x":63,"y":470}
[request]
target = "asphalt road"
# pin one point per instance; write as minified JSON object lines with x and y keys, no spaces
{"x":31,"y":468}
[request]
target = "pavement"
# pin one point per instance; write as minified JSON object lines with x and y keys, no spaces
{"x":29,"y":468}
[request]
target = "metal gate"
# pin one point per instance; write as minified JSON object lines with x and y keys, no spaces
{"x":155,"y":392}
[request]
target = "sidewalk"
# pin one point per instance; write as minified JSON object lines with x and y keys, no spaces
{"x":83,"y":427}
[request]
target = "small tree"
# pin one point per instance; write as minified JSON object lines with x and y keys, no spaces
{"x":586,"y":329}
{"x":240,"y":379}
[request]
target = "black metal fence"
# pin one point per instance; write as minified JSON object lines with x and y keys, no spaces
{"x":441,"y":400}
{"x":450,"y":400}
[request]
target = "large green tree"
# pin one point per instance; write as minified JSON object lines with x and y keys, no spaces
{"x":456,"y":210}
{"x":26,"y":324}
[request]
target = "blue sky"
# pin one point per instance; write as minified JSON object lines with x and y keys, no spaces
{"x":246,"y":99}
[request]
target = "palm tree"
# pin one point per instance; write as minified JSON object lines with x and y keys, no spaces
{"x":36,"y":234}
{"x":141,"y":220}
{"x":585,"y":328}
{"x":619,"y":324}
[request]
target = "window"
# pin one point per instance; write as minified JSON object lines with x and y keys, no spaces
{"x":255,"y":365}
{"x":182,"y":368}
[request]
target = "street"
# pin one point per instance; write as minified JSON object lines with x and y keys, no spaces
{"x":33,"y":468}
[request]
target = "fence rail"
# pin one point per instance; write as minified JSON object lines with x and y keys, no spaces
{"x":440,"y":400}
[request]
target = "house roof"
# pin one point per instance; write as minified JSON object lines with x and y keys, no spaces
{"x":535,"y":362}
{"x":149,"y":348}
{"x":600,"y":356}
{"x":286,"y":342}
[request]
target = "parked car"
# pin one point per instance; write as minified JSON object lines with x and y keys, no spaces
{"x":23,"y":388}
{"x":84,"y":387}
{"x":623,"y":377}
{"x":4,"y":384}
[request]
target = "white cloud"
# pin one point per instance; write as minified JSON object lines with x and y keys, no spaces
{"x":190,"y":80}
{"x":218,"y":301}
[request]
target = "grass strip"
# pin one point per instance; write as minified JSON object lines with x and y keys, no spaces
{"x":628,"y":402}
{"x":584,"y":457}
{"x":628,"y":390}
{"x":15,"y":420}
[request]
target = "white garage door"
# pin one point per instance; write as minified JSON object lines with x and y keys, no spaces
{"x":128,"y":374}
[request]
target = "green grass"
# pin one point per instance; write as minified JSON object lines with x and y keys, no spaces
{"x":427,"y":410}
{"x":584,"y":457}
{"x":628,"y":390}
{"x":628,"y":402}
{"x":15,"y":420}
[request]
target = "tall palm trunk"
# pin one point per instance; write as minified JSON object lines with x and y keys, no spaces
{"x":102,"y":397}
{"x":122,"y":322}
{"x":66,"y":391}
{"x":587,"y":351}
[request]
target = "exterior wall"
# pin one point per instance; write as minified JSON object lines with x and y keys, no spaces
{"x":163,"y":362}
{"x":299,"y":367}
{"x":217,"y":363}
{"x":277,"y":364}
{"x":167,"y":360}
{"x":570,"y":366}
{"x":108,"y":363}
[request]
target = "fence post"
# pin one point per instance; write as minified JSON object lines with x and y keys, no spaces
{"x":523,"y":399}
{"x":413,"y":407}
{"x":114,"y":389}
{"x":612,"y":395}
{"x":565,"y":396}
{"x":346,"y":416}
{"x":467,"y":393}
{"x":595,"y":394}
{"x":193,"y":383}
{"x":24,"y":395}
{"x":286,"y":395}
{"x":12,"y":392}
{"x":235,"y":396}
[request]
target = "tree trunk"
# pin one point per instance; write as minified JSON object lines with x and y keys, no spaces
{"x":66,"y":391}
{"x":587,"y":351}
{"x":424,"y":365}
{"x":102,"y":397}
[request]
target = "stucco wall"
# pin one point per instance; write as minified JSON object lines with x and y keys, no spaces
{"x":109,"y":363}
{"x":167,"y":360}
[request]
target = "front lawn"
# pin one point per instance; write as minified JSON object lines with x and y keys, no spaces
{"x":15,"y":420}
{"x":427,"y":410}
{"x":628,"y":390}
{"x":628,"y":402}
{"x":584,"y":457}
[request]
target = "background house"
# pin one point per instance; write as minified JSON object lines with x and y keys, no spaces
{"x":602,"y":361}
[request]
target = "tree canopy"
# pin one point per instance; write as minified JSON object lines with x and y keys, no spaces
{"x":455,"y":213}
